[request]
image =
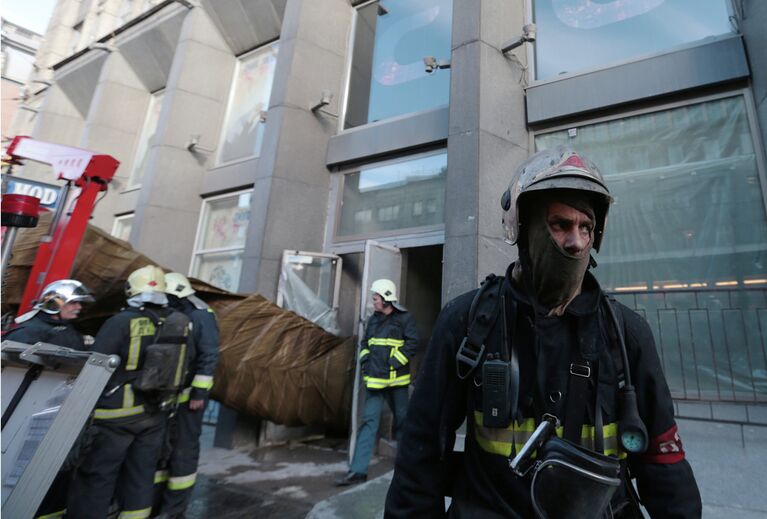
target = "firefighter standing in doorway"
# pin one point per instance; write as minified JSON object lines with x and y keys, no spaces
{"x":51,"y":320}
{"x":561,"y":387}
{"x":391,"y":341}
{"x":128,"y":426}
{"x":181,"y":473}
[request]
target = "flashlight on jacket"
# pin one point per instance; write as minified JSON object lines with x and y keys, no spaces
{"x":521,"y":462}
{"x":631,"y":430}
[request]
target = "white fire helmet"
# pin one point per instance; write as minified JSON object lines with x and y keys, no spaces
{"x":149,"y":279}
{"x":385,"y":288}
{"x":177,"y":284}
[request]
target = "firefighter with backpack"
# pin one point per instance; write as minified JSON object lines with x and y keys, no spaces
{"x":561,"y":387}
{"x":123,"y":443}
{"x":179,"y":474}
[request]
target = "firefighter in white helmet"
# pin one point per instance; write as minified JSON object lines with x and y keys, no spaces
{"x":130,"y":418}
{"x":179,"y":473}
{"x":390,"y":342}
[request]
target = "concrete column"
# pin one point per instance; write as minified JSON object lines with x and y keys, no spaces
{"x":194,"y":103}
{"x":113,"y":124}
{"x":752,"y":26}
{"x":291,"y":189}
{"x":487,"y":139}
{"x":58,"y":121}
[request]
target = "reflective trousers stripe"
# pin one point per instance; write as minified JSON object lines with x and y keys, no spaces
{"x":135,"y":514}
{"x":109,"y":414}
{"x":161,"y":476}
{"x":52,"y":515}
{"x":182,"y":482}
{"x":202,"y":381}
{"x":501,"y":441}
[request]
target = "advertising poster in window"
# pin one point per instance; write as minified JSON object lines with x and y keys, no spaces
{"x":244,"y":128}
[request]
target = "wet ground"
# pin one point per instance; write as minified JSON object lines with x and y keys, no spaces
{"x":281,"y":481}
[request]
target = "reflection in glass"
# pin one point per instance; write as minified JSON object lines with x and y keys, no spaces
{"x":221,"y":269}
{"x":402,"y":195}
{"x":576,"y":35}
{"x":145,"y":139}
{"x":221,"y":242}
{"x":686,"y":240}
{"x":244,"y":127}
{"x":388,"y":77}
{"x":226,"y":221}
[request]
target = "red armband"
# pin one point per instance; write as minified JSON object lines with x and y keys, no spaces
{"x":666,"y":448}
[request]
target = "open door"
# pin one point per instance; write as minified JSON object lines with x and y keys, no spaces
{"x":381,"y":261}
{"x":309,"y":285}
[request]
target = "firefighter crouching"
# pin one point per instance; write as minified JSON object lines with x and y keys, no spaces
{"x":180,"y":474}
{"x":561,"y":387}
{"x":51,"y":320}
{"x":129,"y":421}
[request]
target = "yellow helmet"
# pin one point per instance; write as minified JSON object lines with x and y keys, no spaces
{"x":147,"y":279}
{"x":177,"y":284}
{"x":385,"y":288}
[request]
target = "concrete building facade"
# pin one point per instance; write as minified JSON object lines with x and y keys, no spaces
{"x":248,"y":128}
{"x":19,"y":46}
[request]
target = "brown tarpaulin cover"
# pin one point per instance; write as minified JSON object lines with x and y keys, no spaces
{"x":273,"y":363}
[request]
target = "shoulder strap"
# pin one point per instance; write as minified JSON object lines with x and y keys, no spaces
{"x":615,"y":349}
{"x":483,"y":312}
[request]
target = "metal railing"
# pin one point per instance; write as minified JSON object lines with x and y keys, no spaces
{"x":711,"y":342}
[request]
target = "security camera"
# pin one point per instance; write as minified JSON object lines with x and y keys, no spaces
{"x":431,"y":64}
{"x":528,"y":35}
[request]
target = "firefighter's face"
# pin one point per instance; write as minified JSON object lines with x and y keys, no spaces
{"x":572,"y":229}
{"x":378,"y":303}
{"x":70,"y":311}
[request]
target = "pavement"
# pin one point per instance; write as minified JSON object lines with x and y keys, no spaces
{"x":295,"y":479}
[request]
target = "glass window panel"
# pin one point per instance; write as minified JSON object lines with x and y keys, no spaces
{"x":576,"y":35}
{"x":388,"y":76}
{"x":688,"y":227}
{"x":402,"y":195}
{"x":226,"y":222}
{"x":148,"y":132}
{"x":221,"y":269}
{"x":122,"y":227}
{"x":244,"y":128}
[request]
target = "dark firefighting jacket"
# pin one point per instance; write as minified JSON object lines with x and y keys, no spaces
{"x":385,"y":352}
{"x":44,"y":328}
{"x":127,"y":334}
{"x":480,"y":481}
{"x":206,"y":340}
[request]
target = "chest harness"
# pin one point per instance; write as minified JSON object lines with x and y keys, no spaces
{"x":568,"y":480}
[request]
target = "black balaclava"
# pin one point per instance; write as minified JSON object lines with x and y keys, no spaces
{"x":554,"y":275}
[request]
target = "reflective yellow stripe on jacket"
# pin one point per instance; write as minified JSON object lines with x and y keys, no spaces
{"x":135,"y":514}
{"x":393,"y":380}
{"x":500,"y":441}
